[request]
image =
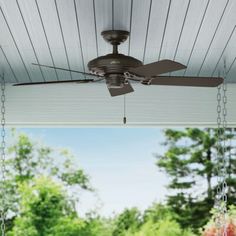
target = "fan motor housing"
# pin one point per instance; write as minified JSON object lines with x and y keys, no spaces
{"x":113,"y":64}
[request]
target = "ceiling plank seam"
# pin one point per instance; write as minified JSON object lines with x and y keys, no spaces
{"x":14,"y":41}
{"x":147,"y":30}
{"x":195,"y":40}
{"x":63,"y":38}
{"x":231,"y":65}
{"x":182,"y":28}
{"x":164,"y":31}
{"x":130,"y":24}
{"x":216,"y":30}
{"x":46,"y":37}
{"x":113,"y":15}
{"x":79,"y":35}
{"x":223,"y":51}
{"x":9,"y":64}
{"x":31,"y":42}
{"x":95,"y":27}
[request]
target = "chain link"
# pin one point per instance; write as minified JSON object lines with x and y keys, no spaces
{"x":3,"y":156}
{"x":222,"y":188}
{"x":218,"y":167}
{"x":224,"y":156}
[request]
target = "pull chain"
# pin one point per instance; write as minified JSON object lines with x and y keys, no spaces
{"x":3,"y":155}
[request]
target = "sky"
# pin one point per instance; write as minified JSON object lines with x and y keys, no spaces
{"x":119,"y":161}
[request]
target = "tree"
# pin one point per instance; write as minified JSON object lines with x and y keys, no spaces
{"x":128,"y":221}
{"x":159,"y":220}
{"x":157,"y":212}
{"x":28,"y":160}
{"x":45,"y":211}
{"x":190,"y":162}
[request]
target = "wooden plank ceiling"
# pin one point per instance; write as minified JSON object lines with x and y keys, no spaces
{"x":66,"y":33}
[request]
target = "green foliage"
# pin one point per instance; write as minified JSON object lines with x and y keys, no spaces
{"x":190,"y":161}
{"x":129,"y":220}
{"x":28,"y":160}
{"x":160,"y":220}
{"x":76,"y":177}
{"x":44,"y":211}
{"x":169,"y":228}
{"x":158,"y":212}
{"x":38,"y":200}
{"x":68,"y":226}
{"x":157,"y":220}
{"x":41,"y":205}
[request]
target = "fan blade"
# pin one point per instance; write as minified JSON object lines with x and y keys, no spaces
{"x":187,"y":81}
{"x":157,"y":68}
{"x":58,"y":82}
{"x":59,"y":68}
{"x":120,"y":91}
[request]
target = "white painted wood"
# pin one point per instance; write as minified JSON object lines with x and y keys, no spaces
{"x":155,"y":31}
{"x":9,"y":48}
{"x":103,"y":11}
{"x":139,"y":28}
{"x":92,"y":22}
{"x":208,"y":28}
{"x":32,"y":20}
{"x":190,"y":31}
{"x":18,"y":29}
{"x":51,"y":23}
{"x":91,"y":105}
{"x":69,"y":25}
{"x":122,"y":11}
{"x":4,"y":68}
{"x":225,"y":30}
{"x":87,"y":29}
{"x":173,"y":28}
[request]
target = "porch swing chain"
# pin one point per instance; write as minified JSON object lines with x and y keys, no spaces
{"x":224,"y":155}
{"x":3,"y":155}
{"x":221,"y":189}
{"x":218,"y":166}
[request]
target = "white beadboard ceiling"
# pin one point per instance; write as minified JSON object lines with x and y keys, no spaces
{"x":66,"y":33}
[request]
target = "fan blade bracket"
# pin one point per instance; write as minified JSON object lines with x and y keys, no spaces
{"x":146,"y":82}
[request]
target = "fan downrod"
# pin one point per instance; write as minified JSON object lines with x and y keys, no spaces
{"x":115,"y":38}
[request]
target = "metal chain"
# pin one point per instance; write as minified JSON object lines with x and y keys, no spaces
{"x":221,"y":189}
{"x":3,"y":156}
{"x":224,"y":155}
{"x":218,"y":166}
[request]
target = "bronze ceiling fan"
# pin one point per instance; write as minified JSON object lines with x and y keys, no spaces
{"x":118,"y":69}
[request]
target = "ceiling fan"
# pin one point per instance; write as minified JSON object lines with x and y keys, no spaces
{"x":118,"y":69}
